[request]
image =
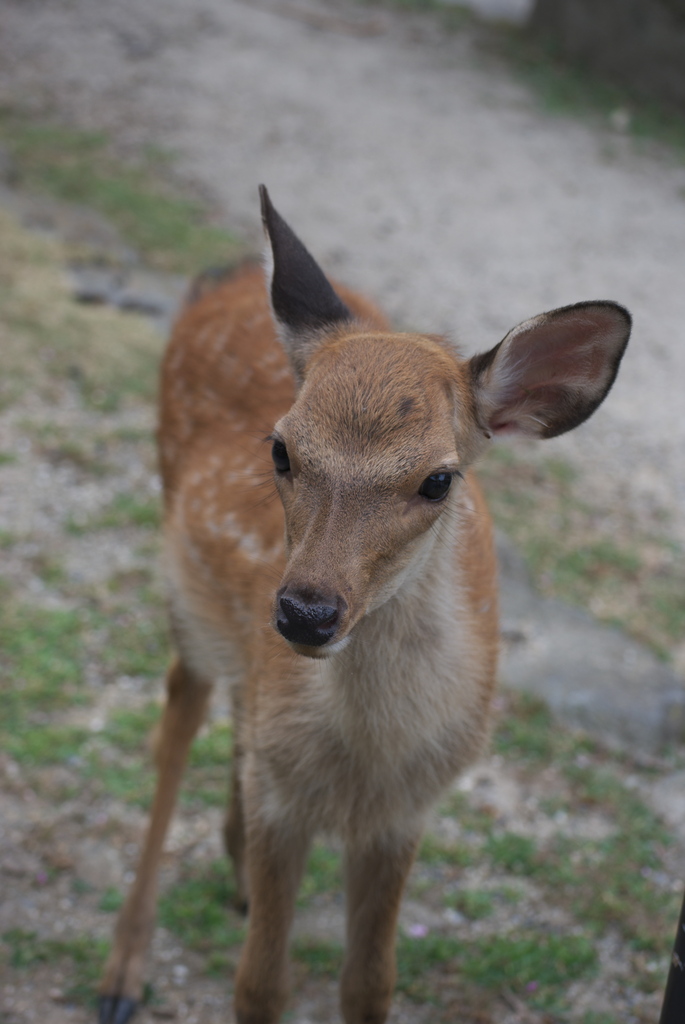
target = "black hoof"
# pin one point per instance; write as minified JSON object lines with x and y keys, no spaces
{"x":114,"y":1010}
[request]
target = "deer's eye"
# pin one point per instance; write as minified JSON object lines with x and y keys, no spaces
{"x":279,"y":453}
{"x":436,"y":486}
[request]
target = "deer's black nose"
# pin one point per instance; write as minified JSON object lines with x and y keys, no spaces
{"x":307,"y":617}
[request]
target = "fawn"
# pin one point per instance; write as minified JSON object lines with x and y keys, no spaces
{"x":355,"y":619}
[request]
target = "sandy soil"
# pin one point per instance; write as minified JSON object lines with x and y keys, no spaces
{"x":413,"y":165}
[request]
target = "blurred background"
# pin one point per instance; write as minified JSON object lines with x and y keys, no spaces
{"x":467,"y":165}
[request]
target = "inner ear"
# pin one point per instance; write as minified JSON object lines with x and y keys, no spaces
{"x":303,"y":300}
{"x":550,"y":373}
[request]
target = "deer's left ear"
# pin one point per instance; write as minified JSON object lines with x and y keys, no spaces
{"x":550,"y":373}
{"x":303,"y":300}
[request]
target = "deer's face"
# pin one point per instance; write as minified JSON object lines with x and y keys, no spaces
{"x":367,"y":460}
{"x":367,"y":463}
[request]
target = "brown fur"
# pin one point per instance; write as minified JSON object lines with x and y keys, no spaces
{"x":359,"y":736}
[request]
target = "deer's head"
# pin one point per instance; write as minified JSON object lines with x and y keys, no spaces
{"x":369,"y":461}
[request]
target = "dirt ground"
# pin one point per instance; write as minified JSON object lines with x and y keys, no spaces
{"x":418,"y":169}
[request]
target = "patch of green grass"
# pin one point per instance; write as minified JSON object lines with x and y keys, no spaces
{"x":527,"y":731}
{"x":474,"y":821}
{"x":124,"y":510}
{"x":51,"y":344}
{"x":41,"y":653}
{"x":514,"y":853}
{"x":171,"y":231}
{"x":139,"y":581}
{"x":540,"y":963}
{"x":49,"y":569}
{"x":84,"y":953}
{"x":605,"y":883}
{"x":593,"y":561}
{"x":131,"y":780}
{"x":86,"y":457}
{"x":131,"y":435}
{"x":46,"y":744}
{"x":323,"y":873}
{"x":664,"y":594}
{"x":212,"y":749}
{"x":475,"y":904}
{"x":432,"y":851}
{"x":613,"y":887}
{"x":563,"y":89}
{"x":321,"y":958}
{"x":596,"y":558}
{"x":532,"y":962}
{"x":209,"y":765}
{"x":416,"y":958}
{"x":128,"y":730}
{"x":79,"y":887}
{"x":138,"y":644}
{"x":197,"y":910}
{"x":453,"y":16}
{"x":111,"y":901}
{"x":7,"y":458}
{"x":119,"y":761}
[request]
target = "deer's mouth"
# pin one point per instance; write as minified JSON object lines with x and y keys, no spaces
{"x":324,"y":651}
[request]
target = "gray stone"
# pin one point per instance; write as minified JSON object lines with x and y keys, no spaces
{"x":96,"y":285}
{"x":153,"y":294}
{"x":593,"y":677}
{"x":158,"y":296}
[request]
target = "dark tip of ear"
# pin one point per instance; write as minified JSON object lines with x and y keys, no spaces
{"x":301,"y":295}
{"x":266,"y":206}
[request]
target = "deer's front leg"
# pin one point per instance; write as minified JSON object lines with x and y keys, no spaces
{"x":375,"y":877}
{"x":275,"y":861}
{"x":122,"y":984}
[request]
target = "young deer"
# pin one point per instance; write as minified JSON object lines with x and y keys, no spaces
{"x":356,"y":618}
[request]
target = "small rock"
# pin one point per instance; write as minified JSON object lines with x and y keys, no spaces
{"x":60,"y":858}
{"x":180,"y":973}
{"x":156,"y":295}
{"x":593,"y":677}
{"x":99,"y":864}
{"x":453,"y":916}
{"x":95,"y":285}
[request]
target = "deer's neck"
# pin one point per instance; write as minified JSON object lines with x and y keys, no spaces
{"x":405,"y":674}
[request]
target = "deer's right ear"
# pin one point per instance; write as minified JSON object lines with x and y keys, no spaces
{"x":303,"y":300}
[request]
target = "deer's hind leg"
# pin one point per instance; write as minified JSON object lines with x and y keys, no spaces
{"x":122,"y":984}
